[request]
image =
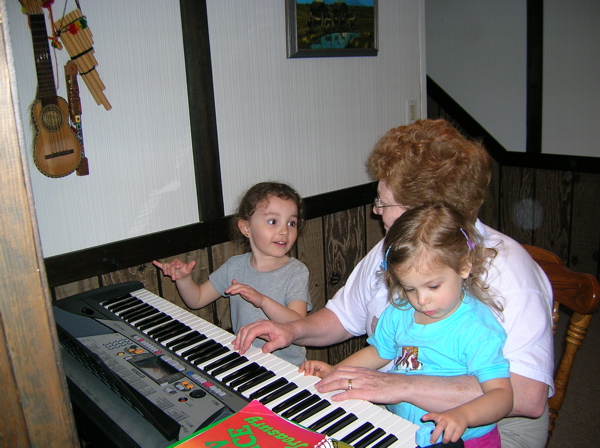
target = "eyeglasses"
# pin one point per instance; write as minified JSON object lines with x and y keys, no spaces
{"x":379,"y":205}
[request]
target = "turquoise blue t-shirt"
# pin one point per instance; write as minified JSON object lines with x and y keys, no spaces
{"x":468,"y":342}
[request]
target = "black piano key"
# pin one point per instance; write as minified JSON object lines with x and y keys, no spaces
{"x":278,"y":393}
{"x":138,"y":317}
{"x":188,"y":343}
{"x":148,"y":320}
{"x":185,"y":340}
{"x":125,"y":315}
{"x":153,"y":322}
{"x":196,"y":348}
{"x":369,"y":438}
{"x":387,"y":441}
{"x":238,"y":373}
{"x":141,"y":308}
{"x":175,"y":331}
{"x":107,"y":303}
{"x":230,"y":365}
{"x":157,"y":332}
{"x":207,"y":353}
{"x":291,"y":401}
{"x":256,"y":381}
{"x":327,"y":419}
{"x":221,"y":361}
{"x":313,"y":399}
{"x":248,"y":377}
{"x":267,"y":389}
{"x":124,"y":305}
{"x":323,"y":404}
{"x":358,"y":432}
{"x":340,"y":424}
{"x":168,"y":325}
{"x":200,"y":350}
{"x":211,"y":354}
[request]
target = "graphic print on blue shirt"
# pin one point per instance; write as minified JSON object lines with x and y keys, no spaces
{"x":408,"y":361}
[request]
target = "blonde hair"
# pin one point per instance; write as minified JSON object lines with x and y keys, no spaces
{"x":436,"y":235}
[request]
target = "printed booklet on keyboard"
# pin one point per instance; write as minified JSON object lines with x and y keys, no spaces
{"x":256,"y":426}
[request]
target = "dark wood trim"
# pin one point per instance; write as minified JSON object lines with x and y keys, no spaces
{"x":535,"y":78}
{"x":339,"y":200}
{"x":552,"y":162}
{"x":465,"y":120}
{"x":86,"y":263}
{"x":203,"y":121}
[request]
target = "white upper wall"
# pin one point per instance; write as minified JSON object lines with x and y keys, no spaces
{"x":309,"y":122}
{"x":476,"y":51}
{"x":571,"y":115}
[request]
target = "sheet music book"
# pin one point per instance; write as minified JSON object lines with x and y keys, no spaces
{"x":256,"y":426}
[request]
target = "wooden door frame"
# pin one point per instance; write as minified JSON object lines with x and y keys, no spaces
{"x":37,"y":411}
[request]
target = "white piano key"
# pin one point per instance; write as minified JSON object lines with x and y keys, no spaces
{"x":366,"y":412}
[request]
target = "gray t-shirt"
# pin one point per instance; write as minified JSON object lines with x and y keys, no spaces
{"x":284,"y":285}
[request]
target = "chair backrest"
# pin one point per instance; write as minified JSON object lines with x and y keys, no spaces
{"x":578,"y":292}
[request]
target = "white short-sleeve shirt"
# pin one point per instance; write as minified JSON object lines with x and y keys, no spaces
{"x":516,"y":281}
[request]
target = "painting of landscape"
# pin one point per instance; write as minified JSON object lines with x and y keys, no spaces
{"x":327,"y":28}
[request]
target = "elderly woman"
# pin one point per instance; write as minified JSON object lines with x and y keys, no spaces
{"x":430,"y":162}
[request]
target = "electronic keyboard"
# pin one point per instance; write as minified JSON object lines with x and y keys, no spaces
{"x":181,"y":372}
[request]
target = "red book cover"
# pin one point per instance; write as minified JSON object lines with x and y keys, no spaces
{"x":255,"y":426}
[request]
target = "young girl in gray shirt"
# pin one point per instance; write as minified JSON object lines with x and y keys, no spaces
{"x":265,"y":282}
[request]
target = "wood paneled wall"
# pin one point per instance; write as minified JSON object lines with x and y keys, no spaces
{"x":330,"y":246}
{"x":553,"y":203}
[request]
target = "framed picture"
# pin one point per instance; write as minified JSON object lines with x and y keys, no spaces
{"x":331,"y":28}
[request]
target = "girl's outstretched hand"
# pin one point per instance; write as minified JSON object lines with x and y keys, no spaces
{"x":248,"y":293}
{"x":176,"y":269}
{"x":315,"y":368}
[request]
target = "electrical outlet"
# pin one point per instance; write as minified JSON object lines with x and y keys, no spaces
{"x":411,"y":111}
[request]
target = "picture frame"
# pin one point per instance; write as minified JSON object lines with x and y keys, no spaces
{"x":331,"y":28}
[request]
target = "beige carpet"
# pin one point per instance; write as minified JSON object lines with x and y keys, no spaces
{"x":578,"y":423}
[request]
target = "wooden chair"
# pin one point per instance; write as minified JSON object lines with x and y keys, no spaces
{"x":579,"y":293}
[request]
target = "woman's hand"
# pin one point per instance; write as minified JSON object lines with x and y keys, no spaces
{"x":277,"y":335}
{"x":364,"y":384}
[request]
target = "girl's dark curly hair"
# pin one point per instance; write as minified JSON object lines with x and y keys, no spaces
{"x":257,"y":195}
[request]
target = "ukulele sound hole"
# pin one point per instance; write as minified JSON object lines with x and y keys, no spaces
{"x":51,"y":118}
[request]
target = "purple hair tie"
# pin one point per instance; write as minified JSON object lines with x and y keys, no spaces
{"x":470,"y":242}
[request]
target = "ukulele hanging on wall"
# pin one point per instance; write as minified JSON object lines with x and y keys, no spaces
{"x":57,"y":152}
